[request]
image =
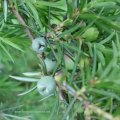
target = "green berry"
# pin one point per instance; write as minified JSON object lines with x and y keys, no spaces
{"x":69,"y":63}
{"x":50,"y":64}
{"x":39,"y":44}
{"x":91,"y":34}
{"x":46,"y":85}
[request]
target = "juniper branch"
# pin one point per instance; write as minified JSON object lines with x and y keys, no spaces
{"x":87,"y":105}
{"x":21,"y":20}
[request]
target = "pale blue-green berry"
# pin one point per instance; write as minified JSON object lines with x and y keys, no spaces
{"x":50,"y":64}
{"x":39,"y":45}
{"x":46,"y":85}
{"x":69,"y":63}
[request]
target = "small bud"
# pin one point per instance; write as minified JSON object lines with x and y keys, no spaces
{"x":59,"y":76}
{"x":68,"y":22}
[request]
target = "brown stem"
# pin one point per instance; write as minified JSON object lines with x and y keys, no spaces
{"x":21,"y":20}
{"x":87,"y":105}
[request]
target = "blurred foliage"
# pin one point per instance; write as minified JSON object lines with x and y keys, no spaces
{"x":97,"y":63}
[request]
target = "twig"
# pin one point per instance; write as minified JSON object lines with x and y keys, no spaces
{"x":21,"y":20}
{"x":87,"y":105}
